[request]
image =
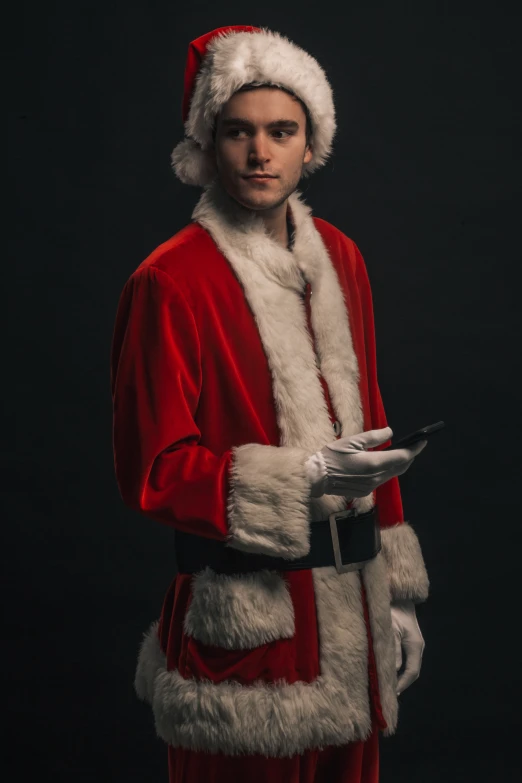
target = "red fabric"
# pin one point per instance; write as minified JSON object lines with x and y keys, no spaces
{"x":196,"y":52}
{"x":190,"y":380}
{"x":357,"y":762}
{"x":388,"y":496}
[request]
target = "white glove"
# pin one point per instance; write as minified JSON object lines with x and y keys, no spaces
{"x":344,"y":467}
{"x":408,"y":639}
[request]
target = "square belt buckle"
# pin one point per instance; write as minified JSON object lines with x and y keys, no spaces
{"x":341,"y":567}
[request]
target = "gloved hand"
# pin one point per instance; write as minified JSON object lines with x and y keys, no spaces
{"x":344,"y":467}
{"x":408,"y":640}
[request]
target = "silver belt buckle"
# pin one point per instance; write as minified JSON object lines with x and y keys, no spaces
{"x":342,"y":568}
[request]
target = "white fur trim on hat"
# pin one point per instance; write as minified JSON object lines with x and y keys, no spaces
{"x":235,"y":59}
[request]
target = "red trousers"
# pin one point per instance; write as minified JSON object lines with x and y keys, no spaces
{"x":356,"y":762}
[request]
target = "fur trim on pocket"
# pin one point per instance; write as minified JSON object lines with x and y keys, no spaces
{"x":239,"y":611}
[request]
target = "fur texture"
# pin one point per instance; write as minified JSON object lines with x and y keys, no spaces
{"x":267,"y":507}
{"x":235,"y":59}
{"x":191,"y":164}
{"x":378,"y":595}
{"x":239,"y":611}
{"x":407,"y":573}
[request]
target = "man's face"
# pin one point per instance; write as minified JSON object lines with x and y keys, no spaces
{"x":261,"y":131}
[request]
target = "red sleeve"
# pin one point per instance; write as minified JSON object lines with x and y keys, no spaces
{"x":161,"y":470}
{"x":387,"y":495}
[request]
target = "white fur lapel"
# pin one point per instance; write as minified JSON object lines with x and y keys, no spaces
{"x":273,"y":280}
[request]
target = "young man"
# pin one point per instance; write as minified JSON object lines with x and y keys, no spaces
{"x":248,"y":417}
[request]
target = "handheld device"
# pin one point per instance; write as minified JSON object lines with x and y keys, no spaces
{"x":414,"y":437}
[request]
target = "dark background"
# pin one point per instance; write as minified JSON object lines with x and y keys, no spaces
{"x":426,"y":179}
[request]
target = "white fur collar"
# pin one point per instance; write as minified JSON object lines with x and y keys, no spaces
{"x":273,"y":278}
{"x":246,"y":231}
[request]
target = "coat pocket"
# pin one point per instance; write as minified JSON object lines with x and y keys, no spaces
{"x":239,"y":611}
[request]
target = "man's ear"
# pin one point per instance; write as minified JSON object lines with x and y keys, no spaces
{"x":309,"y":151}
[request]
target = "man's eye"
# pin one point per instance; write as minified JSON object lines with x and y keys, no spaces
{"x":234,"y":133}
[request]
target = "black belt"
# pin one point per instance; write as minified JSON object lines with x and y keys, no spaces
{"x":348,"y":546}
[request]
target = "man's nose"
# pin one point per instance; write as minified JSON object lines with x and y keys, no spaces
{"x":258,"y":148}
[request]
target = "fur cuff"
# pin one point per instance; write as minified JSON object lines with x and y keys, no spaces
{"x":268,"y":504}
{"x":407,"y":574}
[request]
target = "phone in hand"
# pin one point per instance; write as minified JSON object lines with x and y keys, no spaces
{"x":415,"y":437}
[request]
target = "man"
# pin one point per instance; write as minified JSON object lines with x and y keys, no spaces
{"x":248,"y":417}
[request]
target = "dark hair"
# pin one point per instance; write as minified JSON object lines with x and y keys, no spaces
{"x":257,"y":85}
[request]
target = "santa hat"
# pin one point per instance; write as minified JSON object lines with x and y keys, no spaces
{"x":221,"y":62}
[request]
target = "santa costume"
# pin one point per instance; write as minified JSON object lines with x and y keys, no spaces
{"x":233,"y":360}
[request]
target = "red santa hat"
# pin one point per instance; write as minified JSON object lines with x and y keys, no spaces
{"x":218,"y":64}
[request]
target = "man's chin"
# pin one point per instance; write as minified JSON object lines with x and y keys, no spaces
{"x":259,"y":201}
{"x":259,"y":205}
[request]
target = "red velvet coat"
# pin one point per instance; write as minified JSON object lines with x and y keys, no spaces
{"x":232,"y":358}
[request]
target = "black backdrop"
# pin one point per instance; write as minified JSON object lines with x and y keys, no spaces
{"x":426,"y":179}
